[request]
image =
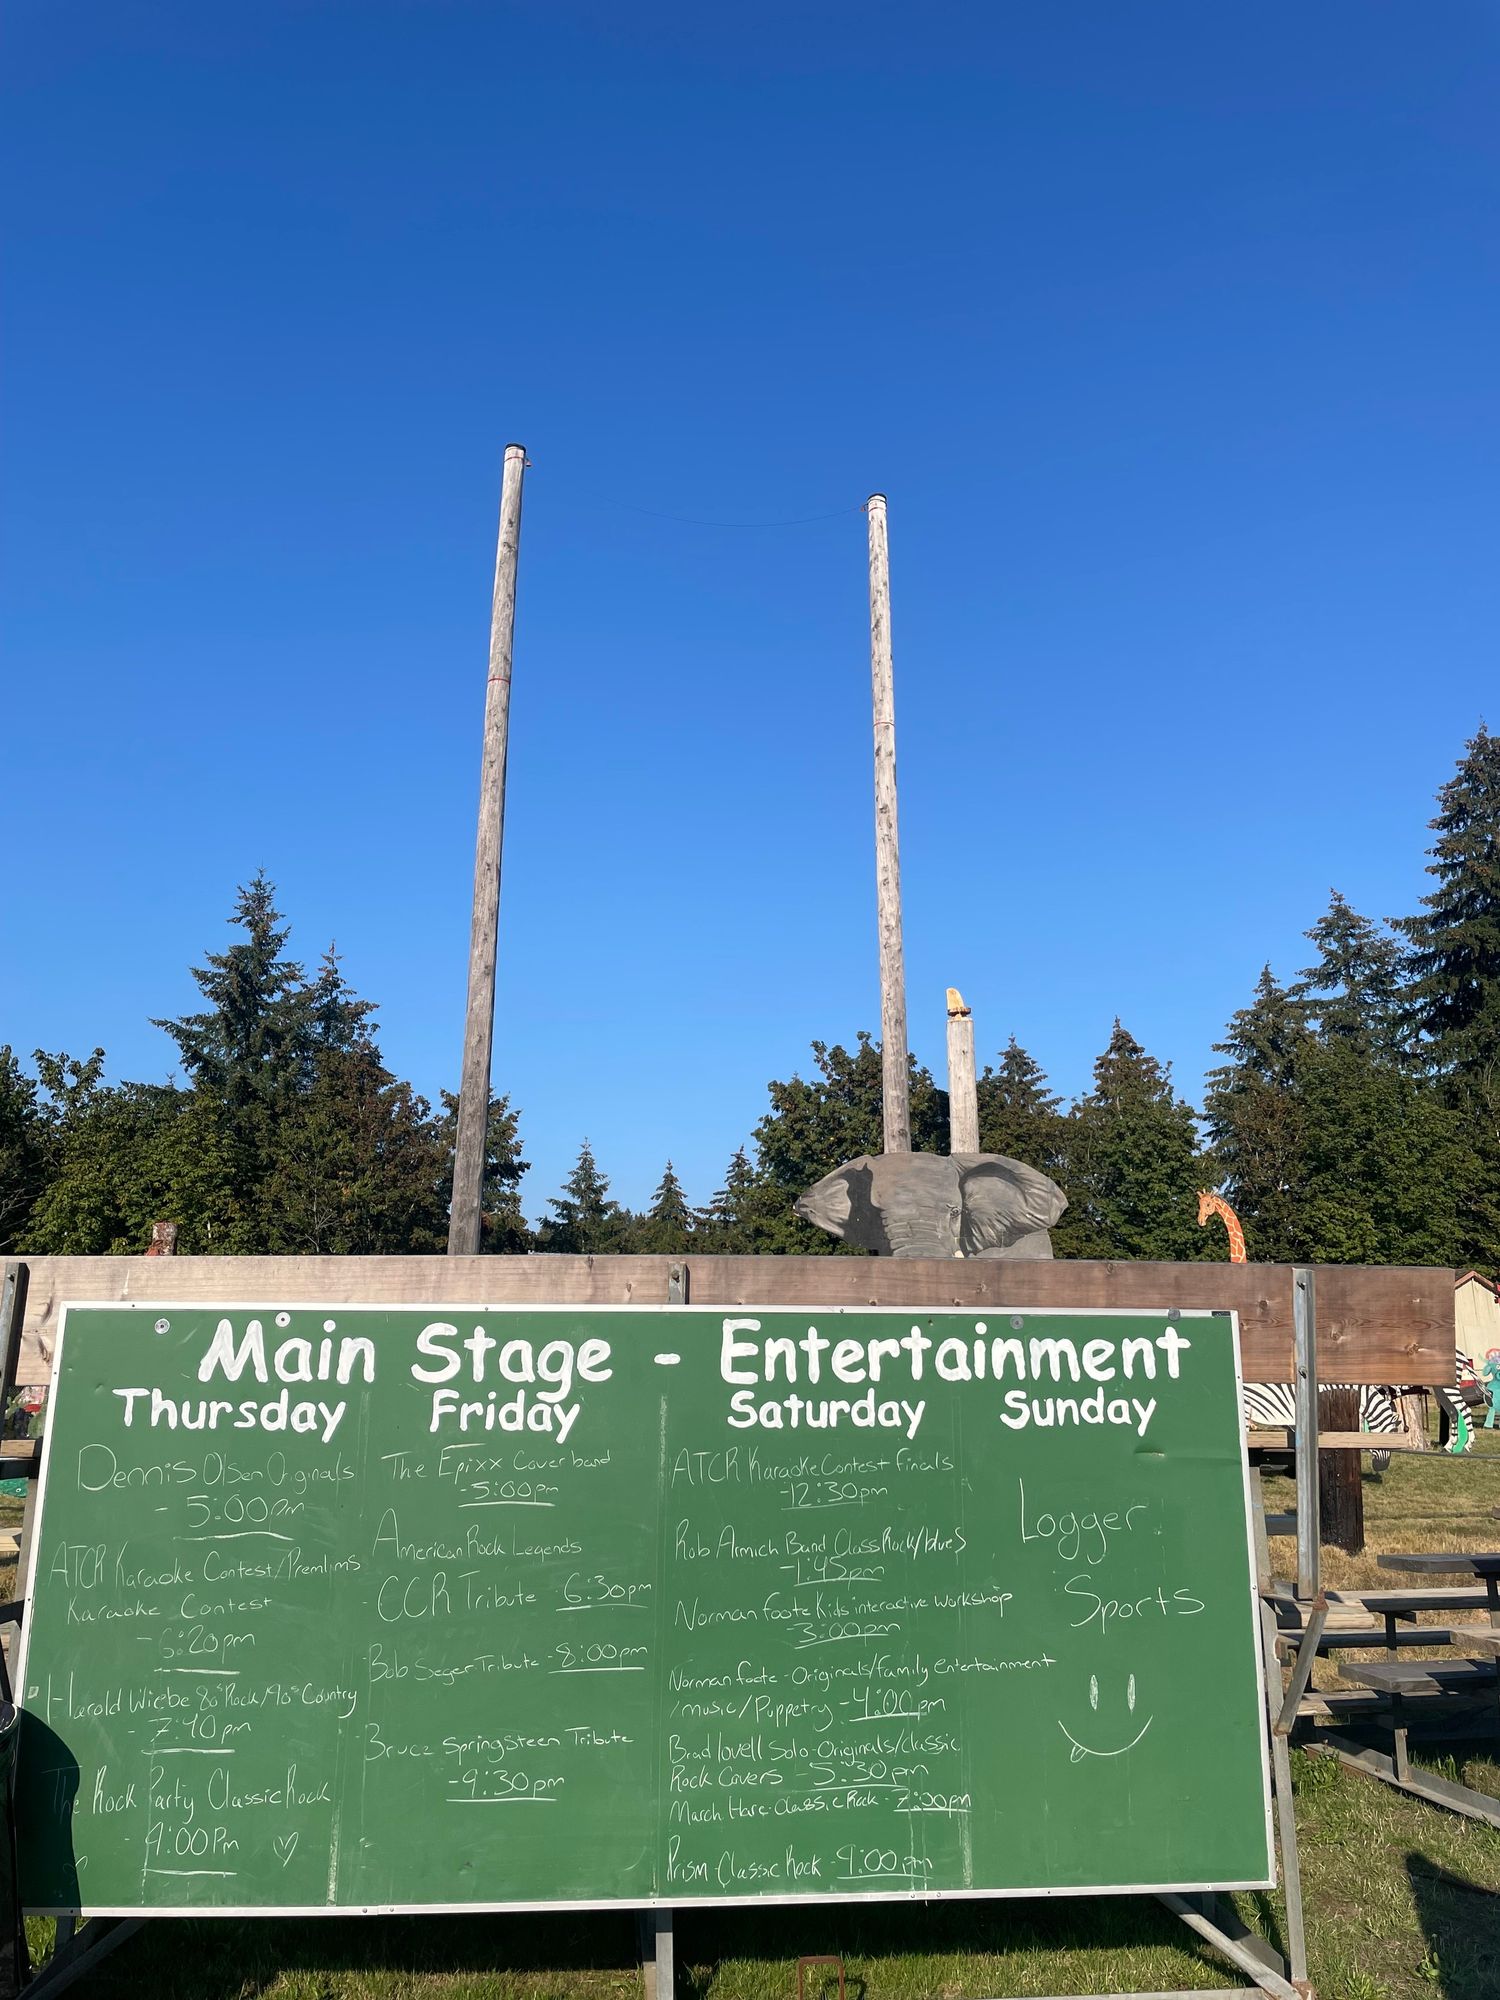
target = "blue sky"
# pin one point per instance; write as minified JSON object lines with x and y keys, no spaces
{"x":1171,"y":332}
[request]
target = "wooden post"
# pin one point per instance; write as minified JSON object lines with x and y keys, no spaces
{"x":1413,"y":1407}
{"x":963,"y":1089}
{"x":465,"y":1220}
{"x":895,"y":1106}
{"x":1341,"y":1493}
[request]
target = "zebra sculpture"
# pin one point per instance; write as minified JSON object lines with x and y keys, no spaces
{"x":1272,"y":1405}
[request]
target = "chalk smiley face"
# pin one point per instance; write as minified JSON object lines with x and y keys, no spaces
{"x":1082,"y":1750}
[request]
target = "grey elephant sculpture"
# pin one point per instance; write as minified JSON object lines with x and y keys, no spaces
{"x":937,"y":1205}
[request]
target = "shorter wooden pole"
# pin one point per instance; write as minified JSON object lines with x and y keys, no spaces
{"x":963,"y":1087}
{"x":1341,"y":1493}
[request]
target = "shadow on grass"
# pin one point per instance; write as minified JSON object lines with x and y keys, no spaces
{"x":1461,"y":1925}
{"x":888,"y":1948}
{"x":216,"y":1958}
{"x":878,"y":1935}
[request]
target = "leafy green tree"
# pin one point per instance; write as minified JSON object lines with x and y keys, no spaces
{"x":1354,"y":991}
{"x":25,"y":1155}
{"x":586,"y":1220}
{"x":1018,"y":1112}
{"x":1133,"y":1165}
{"x":128,"y":1155}
{"x":667,"y":1226}
{"x":816,"y":1124}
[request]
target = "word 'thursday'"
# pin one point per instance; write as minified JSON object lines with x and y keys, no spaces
{"x":1107,"y":1374}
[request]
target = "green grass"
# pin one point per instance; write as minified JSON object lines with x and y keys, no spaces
{"x":1401,"y":1900}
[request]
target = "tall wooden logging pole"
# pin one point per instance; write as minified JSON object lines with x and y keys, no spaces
{"x":896,"y":1112}
{"x":963,"y":1089}
{"x":465,"y":1219}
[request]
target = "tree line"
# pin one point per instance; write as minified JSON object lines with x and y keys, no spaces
{"x":1354,"y":1116}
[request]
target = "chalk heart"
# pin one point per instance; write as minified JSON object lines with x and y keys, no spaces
{"x":285,"y":1845}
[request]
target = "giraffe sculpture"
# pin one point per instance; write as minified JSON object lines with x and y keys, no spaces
{"x":1210,"y":1204}
{"x":1380,"y":1409}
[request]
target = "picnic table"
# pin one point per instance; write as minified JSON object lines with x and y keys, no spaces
{"x":1397,"y":1680}
{"x":1484,"y":1566}
{"x":1483,"y":1638}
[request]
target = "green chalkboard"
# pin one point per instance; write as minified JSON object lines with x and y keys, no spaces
{"x":346,"y":1608}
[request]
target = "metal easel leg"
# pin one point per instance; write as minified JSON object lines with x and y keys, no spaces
{"x":1246,"y":1951}
{"x":657,"y":1958}
{"x":79,"y":1950}
{"x":1281,"y":1716}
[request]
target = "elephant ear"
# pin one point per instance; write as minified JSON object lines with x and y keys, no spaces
{"x":1005,"y":1203}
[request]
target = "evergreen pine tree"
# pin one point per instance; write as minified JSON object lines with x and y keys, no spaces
{"x":249,"y":1055}
{"x":1354,"y":990}
{"x":1134,"y":1169}
{"x":1387,"y":1174}
{"x":1453,"y":994}
{"x":338,"y":1021}
{"x":248,"y":1046}
{"x":667,"y":1226}
{"x":1328,"y":1150}
{"x":361,"y":1166}
{"x":586,"y":1220}
{"x":293,"y":1137}
{"x":747,"y":1217}
{"x":504,"y":1230}
{"x":1256,"y":1119}
{"x":815,"y":1125}
{"x":1453,"y":989}
{"x":1018,"y":1112}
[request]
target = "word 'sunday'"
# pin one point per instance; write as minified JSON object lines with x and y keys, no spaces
{"x":1107,"y":1374}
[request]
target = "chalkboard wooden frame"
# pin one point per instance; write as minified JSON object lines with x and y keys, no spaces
{"x":675,"y":1897}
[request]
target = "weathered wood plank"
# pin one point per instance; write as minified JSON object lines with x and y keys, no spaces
{"x":1376,"y":1325}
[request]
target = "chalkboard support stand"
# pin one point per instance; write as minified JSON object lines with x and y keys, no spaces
{"x":1305,"y":1363}
{"x":657,"y":1961}
{"x":79,"y":1951}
